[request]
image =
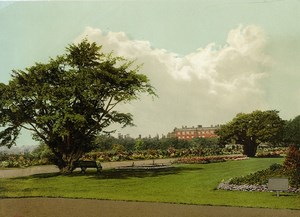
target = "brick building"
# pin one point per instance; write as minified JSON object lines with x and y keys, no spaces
{"x":188,"y":133}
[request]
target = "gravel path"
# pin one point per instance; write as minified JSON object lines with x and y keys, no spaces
{"x":47,"y":207}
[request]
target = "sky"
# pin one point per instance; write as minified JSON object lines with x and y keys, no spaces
{"x":207,"y":59}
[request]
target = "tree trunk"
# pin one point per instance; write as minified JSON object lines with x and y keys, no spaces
{"x":250,"y":149}
{"x":66,"y":169}
{"x":65,"y":162}
{"x":66,"y":154}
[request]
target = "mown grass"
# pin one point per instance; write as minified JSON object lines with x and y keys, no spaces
{"x":187,"y":184}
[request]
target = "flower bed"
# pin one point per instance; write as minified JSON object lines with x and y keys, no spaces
{"x":210,"y":159}
{"x":20,"y":161}
{"x":271,"y":152}
{"x":258,"y":181}
{"x":245,"y":187}
{"x":268,"y":155}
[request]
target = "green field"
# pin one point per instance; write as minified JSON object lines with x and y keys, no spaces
{"x":187,"y":184}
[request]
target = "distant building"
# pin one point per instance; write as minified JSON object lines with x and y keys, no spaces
{"x":188,"y":133}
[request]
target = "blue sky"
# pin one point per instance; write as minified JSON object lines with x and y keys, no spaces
{"x":208,"y":59}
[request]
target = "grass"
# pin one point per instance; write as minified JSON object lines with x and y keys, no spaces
{"x":187,"y":184}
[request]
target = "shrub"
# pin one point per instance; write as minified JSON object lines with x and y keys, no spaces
{"x":260,"y":177}
{"x":267,"y":152}
{"x":268,"y":155}
{"x":292,"y":165}
{"x":210,"y":159}
{"x":4,"y":164}
{"x":275,"y":167}
{"x":42,"y":154}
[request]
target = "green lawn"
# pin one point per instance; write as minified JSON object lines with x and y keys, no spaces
{"x":188,"y":184}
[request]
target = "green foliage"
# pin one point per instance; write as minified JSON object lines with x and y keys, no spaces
{"x":209,"y":159}
{"x":44,"y":154}
{"x":150,"y":148}
{"x":292,"y":164}
{"x":290,"y":169}
{"x":106,"y":142}
{"x":120,"y":154}
{"x":252,"y":129}
{"x":292,"y":131}
{"x":205,"y":142}
{"x":25,"y":159}
{"x":69,"y":100}
{"x":268,"y":153}
{"x":261,"y":177}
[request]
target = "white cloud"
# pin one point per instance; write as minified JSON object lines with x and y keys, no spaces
{"x":208,"y":86}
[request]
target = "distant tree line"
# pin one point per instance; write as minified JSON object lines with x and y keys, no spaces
{"x":107,"y":143}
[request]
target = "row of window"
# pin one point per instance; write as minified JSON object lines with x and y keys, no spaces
{"x":188,"y":137}
{"x":195,"y":132}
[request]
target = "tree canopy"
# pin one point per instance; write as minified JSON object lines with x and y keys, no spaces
{"x":69,"y":100}
{"x":292,"y":131}
{"x":252,"y":129}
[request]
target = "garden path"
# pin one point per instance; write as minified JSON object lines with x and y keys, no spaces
{"x":58,"y":207}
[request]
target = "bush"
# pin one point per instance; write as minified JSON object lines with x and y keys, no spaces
{"x":292,"y":165}
{"x":17,"y":160}
{"x":4,"y":164}
{"x":267,"y":152}
{"x":268,"y":155}
{"x":260,"y":177}
{"x":43,"y":155}
{"x":275,"y":167}
{"x":210,"y":159}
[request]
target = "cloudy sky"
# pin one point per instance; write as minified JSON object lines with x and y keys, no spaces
{"x":207,"y":59}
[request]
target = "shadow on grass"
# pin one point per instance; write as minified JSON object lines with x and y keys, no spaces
{"x":141,"y":173}
{"x":260,"y":157}
{"x":116,"y":173}
{"x":38,"y":176}
{"x":285,"y":195}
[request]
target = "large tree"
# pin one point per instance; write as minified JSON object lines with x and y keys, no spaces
{"x":252,"y":129}
{"x":292,"y":131}
{"x":68,"y":101}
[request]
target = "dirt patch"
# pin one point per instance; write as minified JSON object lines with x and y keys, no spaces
{"x":51,"y":207}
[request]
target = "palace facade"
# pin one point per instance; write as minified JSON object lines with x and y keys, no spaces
{"x":188,"y":133}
